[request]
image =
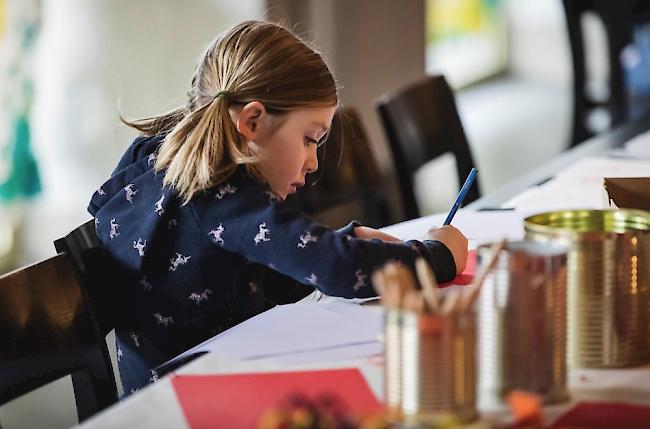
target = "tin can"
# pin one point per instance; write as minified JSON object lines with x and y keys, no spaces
{"x":438,"y":371}
{"x":522,"y":323}
{"x":393,"y":362}
{"x":608,"y":282}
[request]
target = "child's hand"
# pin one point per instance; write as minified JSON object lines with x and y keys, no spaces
{"x":368,"y":233}
{"x":455,"y":242}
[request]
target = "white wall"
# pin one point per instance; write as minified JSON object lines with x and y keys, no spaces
{"x":96,"y":58}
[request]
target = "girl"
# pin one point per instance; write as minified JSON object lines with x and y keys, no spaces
{"x":194,"y":216}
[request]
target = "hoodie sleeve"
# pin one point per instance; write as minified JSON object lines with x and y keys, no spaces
{"x":252,"y":222}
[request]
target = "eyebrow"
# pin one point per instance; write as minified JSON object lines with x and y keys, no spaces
{"x":321,"y":125}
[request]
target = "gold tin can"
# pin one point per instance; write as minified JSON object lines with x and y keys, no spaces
{"x":522,"y":323}
{"x":438,"y":373}
{"x":608,"y":282}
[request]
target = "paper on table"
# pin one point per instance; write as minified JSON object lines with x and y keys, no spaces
{"x":604,"y":415}
{"x":238,"y":400}
{"x":320,"y":297}
{"x":467,"y":276}
{"x":297,"y":328}
{"x":478,"y":226}
{"x":558,"y":195}
{"x":577,"y":187}
{"x":343,"y":353}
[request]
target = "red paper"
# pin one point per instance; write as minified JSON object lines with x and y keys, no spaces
{"x":604,"y":415}
{"x":468,"y":273}
{"x":238,"y":400}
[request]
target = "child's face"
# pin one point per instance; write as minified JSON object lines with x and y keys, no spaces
{"x":288,"y":152}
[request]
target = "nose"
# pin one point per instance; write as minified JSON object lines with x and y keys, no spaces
{"x":311,"y":163}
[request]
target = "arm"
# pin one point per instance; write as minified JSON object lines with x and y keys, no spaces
{"x":261,"y":229}
{"x":448,"y":235}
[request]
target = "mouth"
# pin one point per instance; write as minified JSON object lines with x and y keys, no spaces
{"x":294,"y":187}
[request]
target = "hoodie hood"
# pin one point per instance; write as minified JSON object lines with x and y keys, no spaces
{"x":133,"y":202}
{"x":138,"y":159}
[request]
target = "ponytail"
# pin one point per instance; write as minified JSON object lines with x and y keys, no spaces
{"x":158,"y":124}
{"x":202,"y":150}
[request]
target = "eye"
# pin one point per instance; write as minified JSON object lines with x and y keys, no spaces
{"x":309,"y":140}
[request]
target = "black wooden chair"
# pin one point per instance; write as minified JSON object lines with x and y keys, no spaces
{"x":421,"y":122}
{"x":96,"y":272}
{"x":626,"y":94}
{"x":47,"y":331}
{"x":348,"y":184}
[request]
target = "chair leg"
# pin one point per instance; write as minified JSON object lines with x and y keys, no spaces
{"x":84,"y":393}
{"x":94,"y":389}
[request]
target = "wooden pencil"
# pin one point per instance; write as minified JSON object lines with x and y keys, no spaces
{"x":428,"y":283}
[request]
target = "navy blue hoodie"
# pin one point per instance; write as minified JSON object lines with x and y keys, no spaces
{"x":191,"y":271}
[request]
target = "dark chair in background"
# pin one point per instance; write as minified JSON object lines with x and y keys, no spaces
{"x":348,"y":184}
{"x":47,"y":331}
{"x":421,"y":122}
{"x":626,"y":94}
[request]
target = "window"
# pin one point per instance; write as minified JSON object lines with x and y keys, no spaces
{"x":465,"y":39}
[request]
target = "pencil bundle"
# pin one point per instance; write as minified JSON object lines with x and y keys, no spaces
{"x":430,"y":343}
{"x":398,"y":287}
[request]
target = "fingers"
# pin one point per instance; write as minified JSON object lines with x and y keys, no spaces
{"x":455,"y":241}
{"x":367,"y":233}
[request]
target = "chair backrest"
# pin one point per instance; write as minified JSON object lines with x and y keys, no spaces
{"x":96,"y":272}
{"x":348,"y":183}
{"x":421,"y":122}
{"x":47,"y":332}
{"x":627,"y":92}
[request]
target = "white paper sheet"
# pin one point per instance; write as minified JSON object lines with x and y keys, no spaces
{"x":579,"y":186}
{"x":357,"y":351}
{"x":478,"y":226}
{"x":298,"y":329}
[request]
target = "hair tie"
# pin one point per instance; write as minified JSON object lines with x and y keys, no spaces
{"x":226,"y":94}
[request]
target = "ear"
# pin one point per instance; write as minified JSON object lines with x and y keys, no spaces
{"x":250,"y":119}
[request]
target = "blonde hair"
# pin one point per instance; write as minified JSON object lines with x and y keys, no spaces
{"x":253,"y":61}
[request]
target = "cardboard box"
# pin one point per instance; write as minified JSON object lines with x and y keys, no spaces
{"x":629,"y":192}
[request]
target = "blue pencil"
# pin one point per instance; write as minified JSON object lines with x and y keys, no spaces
{"x":461,"y":195}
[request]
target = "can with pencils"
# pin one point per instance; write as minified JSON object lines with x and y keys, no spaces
{"x":438,"y":367}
